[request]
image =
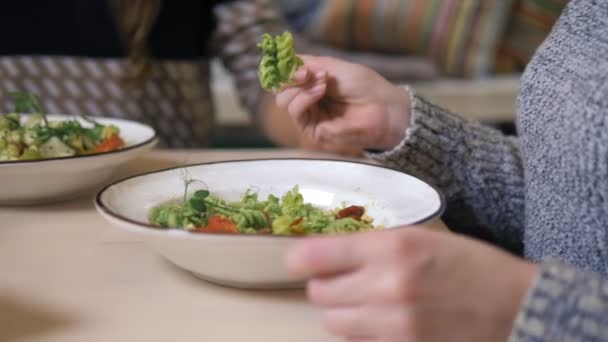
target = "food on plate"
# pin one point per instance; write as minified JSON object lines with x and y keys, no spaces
{"x":279,"y":61}
{"x":203,"y":212}
{"x":37,"y":137}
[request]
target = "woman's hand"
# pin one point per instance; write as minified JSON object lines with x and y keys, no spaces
{"x":337,"y":104}
{"x":413,"y":284}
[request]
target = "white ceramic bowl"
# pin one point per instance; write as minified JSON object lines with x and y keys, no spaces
{"x":256,"y":261}
{"x":49,"y":180}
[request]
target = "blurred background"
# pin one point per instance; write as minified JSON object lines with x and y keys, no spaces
{"x":189,"y":67}
{"x":466,"y":55}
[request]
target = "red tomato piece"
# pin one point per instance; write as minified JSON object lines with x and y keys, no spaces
{"x":219,"y":225}
{"x":354,"y":211}
{"x":110,"y":144}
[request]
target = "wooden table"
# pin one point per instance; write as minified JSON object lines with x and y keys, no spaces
{"x":67,"y":275}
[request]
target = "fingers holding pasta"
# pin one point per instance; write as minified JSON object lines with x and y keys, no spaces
{"x":344,"y":105}
{"x":333,"y":102}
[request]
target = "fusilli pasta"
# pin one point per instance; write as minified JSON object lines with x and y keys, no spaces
{"x":279,"y":60}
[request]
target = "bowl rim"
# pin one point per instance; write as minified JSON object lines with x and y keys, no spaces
{"x":148,"y":141}
{"x":173,"y":232}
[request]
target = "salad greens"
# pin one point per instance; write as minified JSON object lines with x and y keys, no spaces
{"x":279,"y":60}
{"x":289,"y":215}
{"x":39,"y":138}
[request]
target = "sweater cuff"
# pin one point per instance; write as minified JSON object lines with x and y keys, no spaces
{"x":564,"y":304}
{"x":426,"y":141}
{"x":384,"y":155}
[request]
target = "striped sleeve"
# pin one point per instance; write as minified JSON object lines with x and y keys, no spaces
{"x":478,"y":168}
{"x":240,"y":25}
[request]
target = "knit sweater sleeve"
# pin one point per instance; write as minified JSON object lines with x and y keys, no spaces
{"x":479,"y":170}
{"x":564,"y":304}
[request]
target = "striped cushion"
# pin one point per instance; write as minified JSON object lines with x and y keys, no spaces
{"x":461,"y":36}
{"x":528,"y":26}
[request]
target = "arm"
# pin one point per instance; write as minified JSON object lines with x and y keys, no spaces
{"x":280,"y":127}
{"x":564,"y":304}
{"x":235,"y":41}
{"x":478,"y":168}
{"x":240,"y":25}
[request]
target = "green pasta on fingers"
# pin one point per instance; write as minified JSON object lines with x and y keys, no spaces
{"x":279,"y":61}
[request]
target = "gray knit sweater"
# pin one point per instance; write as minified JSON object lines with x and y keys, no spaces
{"x":543,"y":195}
